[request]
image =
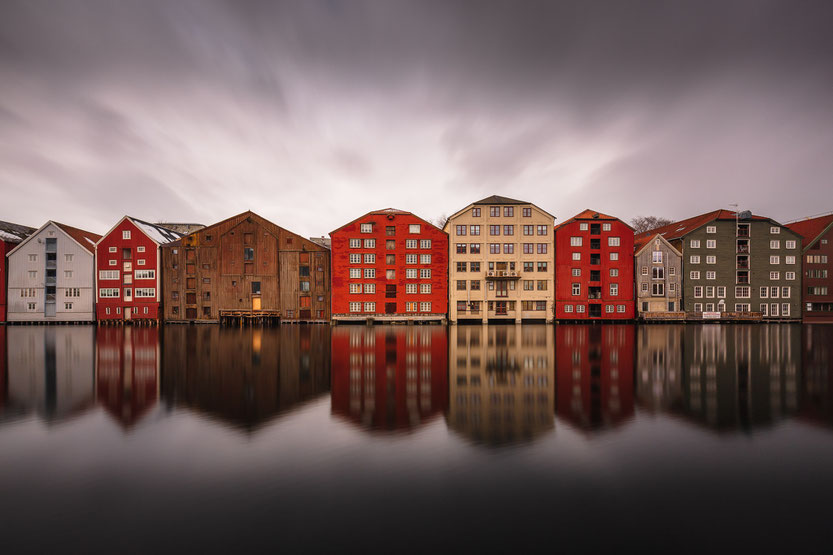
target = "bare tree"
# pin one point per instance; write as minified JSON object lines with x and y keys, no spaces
{"x":440,"y":222}
{"x":642,"y":224}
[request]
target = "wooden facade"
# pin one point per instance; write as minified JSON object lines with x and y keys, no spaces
{"x":658,"y":268}
{"x":390,"y":265}
{"x":10,"y":236}
{"x":244,"y":268}
{"x":594,"y":268}
{"x":817,"y":267}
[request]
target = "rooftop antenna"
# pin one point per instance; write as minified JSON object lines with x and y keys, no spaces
{"x":735,"y":206}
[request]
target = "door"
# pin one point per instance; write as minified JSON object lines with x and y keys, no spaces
{"x":255,"y":303}
{"x":671,"y":306}
{"x":127,"y":312}
{"x":500,"y":308}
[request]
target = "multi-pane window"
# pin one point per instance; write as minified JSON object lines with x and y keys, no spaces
{"x":575,"y":241}
{"x":711,"y":243}
{"x":789,"y":244}
{"x":494,"y":230}
{"x":474,"y":248}
{"x":390,"y":244}
{"x":355,"y":243}
{"x":414,"y":228}
{"x":576,"y":256}
{"x":370,"y":243}
{"x":494,"y":211}
{"x":425,"y":307}
{"x":763,"y":292}
{"x":775,"y":275}
{"x":614,"y":289}
{"x":461,"y":248}
{"x":694,"y":275}
{"x":529,"y":230}
{"x":390,"y":274}
{"x":694,"y":244}
{"x":614,"y":272}
{"x":509,"y":248}
{"x":355,"y":273}
{"x":613,"y":241}
{"x":366,"y":228}
{"x":425,"y":273}
{"x":370,"y":259}
{"x":742,"y":292}
{"x":542,"y":248}
{"x":411,"y":273}
{"x":775,"y":259}
{"x":528,"y":248}
{"x":605,"y":227}
{"x":789,"y":260}
{"x":542,"y":266}
{"x":721,"y":291}
{"x":576,"y":272}
{"x":370,"y":307}
{"x":461,"y":266}
{"x":475,"y":212}
{"x":775,"y":230}
{"x":614,"y":256}
{"x":508,"y":211}
{"x":108,"y":274}
{"x":526,"y":212}
{"x":789,"y":275}
{"x":509,"y":230}
{"x":694,"y":259}
{"x":775,"y":244}
{"x":411,"y":243}
{"x":786,"y":292}
{"x":145,"y":274}
{"x":125,"y":234}
{"x":355,"y":287}
{"x":474,"y":230}
{"x":461,"y":229}
{"x":542,"y":285}
{"x":644,"y":270}
{"x":711,"y":229}
{"x":355,"y":259}
{"x":582,"y":227}
{"x":410,"y":288}
{"x":711,"y":259}
{"x":425,"y":288}
{"x":425,"y":259}
{"x":711,"y":274}
{"x":475,"y":266}
{"x":656,"y":257}
{"x":370,"y":272}
{"x":576,"y":289}
{"x":698,"y":291}
{"x":542,"y":229}
{"x":494,"y":248}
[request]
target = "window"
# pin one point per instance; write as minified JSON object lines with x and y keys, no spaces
{"x":698,"y":291}
{"x":656,"y":257}
{"x":789,"y":260}
{"x":620,"y":308}
{"x":786,"y":292}
{"x":698,"y":307}
{"x":494,"y":230}
{"x":145,"y":274}
{"x":67,"y":306}
{"x":614,"y":272}
{"x":528,"y":248}
{"x":33,"y":273}
{"x":425,"y":273}
{"x":370,"y":272}
{"x":773,"y":309}
{"x":475,"y":212}
{"x":474,"y":230}
{"x":248,"y":253}
{"x":644,"y":270}
{"x":644,"y":287}
{"x":789,"y":275}
{"x":775,"y":244}
{"x":542,"y":229}
{"x":414,"y":228}
{"x":775,"y":275}
{"x":369,"y":288}
{"x":542,"y":248}
{"x":575,"y":241}
{"x":694,"y":275}
{"x":425,"y":259}
{"x":694,"y":259}
{"x":508,"y":211}
{"x":711,"y":243}
{"x":529,"y":266}
{"x":711,"y":274}
{"x":614,"y":289}
{"x":742,"y":292}
{"x":576,"y":289}
{"x":474,"y":248}
{"x":425,"y":307}
{"x":509,"y":248}
{"x":775,"y":230}
{"x":711,"y":229}
{"x":785,"y":309}
{"x":658,"y":272}
{"x":108,"y":274}
{"x":370,"y":259}
{"x":355,"y":307}
{"x":612,"y":241}
{"x":526,"y":212}
{"x":410,"y":288}
{"x":494,"y":211}
{"x":145,"y":292}
{"x":370,"y":243}
{"x":355,"y":243}
{"x":576,"y":256}
{"x":614,"y":256}
{"x":475,"y":285}
{"x":355,"y":287}
{"x":568,"y":308}
{"x":355,"y":273}
{"x":609,"y":308}
{"x":542,"y":266}
{"x":710,"y":291}
{"x":774,"y":259}
{"x":711,"y":259}
{"x":529,"y":230}
{"x":411,"y":273}
{"x":764,"y":292}
{"x":425,"y":243}
{"x":110,"y":293}
{"x":370,"y":307}
{"x":542,"y":285}
{"x":389,"y":274}
{"x":789,"y":244}
{"x":576,"y":272}
{"x":68,"y":257}
{"x":355,"y":259}
{"x":425,"y":288}
{"x":366,"y":228}
{"x":142,"y":249}
{"x":475,"y":266}
{"x":411,"y":243}
{"x":694,"y":243}
{"x":461,"y":266}
{"x":461,"y":285}
{"x":529,"y":285}
{"x":657,"y":289}
{"x":114,"y":249}
{"x":460,"y":229}
{"x":125,"y":234}
{"x":115,"y":263}
{"x":721,"y":291}
{"x":390,"y":244}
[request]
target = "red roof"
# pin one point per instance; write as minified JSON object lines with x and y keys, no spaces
{"x":684,"y":227}
{"x":588,"y":214}
{"x":642,"y":240}
{"x":86,"y":239}
{"x":811,"y":228}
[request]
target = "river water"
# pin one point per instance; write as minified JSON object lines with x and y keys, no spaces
{"x":677,"y":438}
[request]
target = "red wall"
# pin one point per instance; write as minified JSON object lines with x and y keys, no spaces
{"x":4,"y":248}
{"x":393,"y":398}
{"x":151,"y":257}
{"x":594,"y":375}
{"x":341,"y":296}
{"x":821,"y":250}
{"x":564,"y":265}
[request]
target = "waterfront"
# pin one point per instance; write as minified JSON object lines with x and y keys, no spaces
{"x":407,"y":438}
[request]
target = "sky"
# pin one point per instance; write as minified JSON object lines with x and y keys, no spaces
{"x":312,"y":113}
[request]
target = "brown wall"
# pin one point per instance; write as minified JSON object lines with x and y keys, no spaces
{"x":206,"y":273}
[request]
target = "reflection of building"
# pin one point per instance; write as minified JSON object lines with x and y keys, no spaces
{"x":594,"y":383}
{"x":389,"y":378}
{"x":127,"y":371}
{"x":659,"y":366}
{"x":817,"y":374}
{"x":501,"y":382}
{"x":817,"y":263}
{"x":50,"y":370}
{"x":245,"y":376}
{"x":740,"y":376}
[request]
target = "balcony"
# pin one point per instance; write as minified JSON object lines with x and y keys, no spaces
{"x":743,"y":231}
{"x":502,"y":275}
{"x":743,"y":249}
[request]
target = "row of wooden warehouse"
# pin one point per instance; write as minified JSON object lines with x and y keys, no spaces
{"x":497,"y":259}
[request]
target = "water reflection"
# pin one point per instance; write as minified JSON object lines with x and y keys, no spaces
{"x":49,"y":371}
{"x":389,"y":378}
{"x":127,"y":372}
{"x":244,"y":376}
{"x":595,"y":375}
{"x":817,"y":375}
{"x":659,"y":367}
{"x":501,"y":382}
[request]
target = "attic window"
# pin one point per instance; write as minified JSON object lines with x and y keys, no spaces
{"x":289,"y":240}
{"x":208,"y":237}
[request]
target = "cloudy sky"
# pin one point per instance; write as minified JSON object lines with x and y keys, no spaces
{"x":312,"y":113}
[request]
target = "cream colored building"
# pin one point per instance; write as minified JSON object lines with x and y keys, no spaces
{"x":501,"y":262}
{"x":501,"y":382}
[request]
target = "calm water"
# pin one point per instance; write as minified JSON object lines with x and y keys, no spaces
{"x":391,"y":439}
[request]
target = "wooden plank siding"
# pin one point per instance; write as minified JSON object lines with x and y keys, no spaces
{"x":216,"y":270}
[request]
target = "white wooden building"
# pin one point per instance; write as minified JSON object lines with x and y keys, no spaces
{"x":51,"y":276}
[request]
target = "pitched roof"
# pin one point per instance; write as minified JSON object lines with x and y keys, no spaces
{"x":86,"y":239}
{"x":495,"y":199}
{"x":684,"y":227}
{"x":588,"y":214}
{"x":385,"y":212}
{"x":643,"y":241}
{"x":14,"y":233}
{"x":161,"y":235}
{"x":811,"y":228}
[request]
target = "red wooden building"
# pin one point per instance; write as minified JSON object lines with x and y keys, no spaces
{"x":10,"y":236}
{"x":594,"y":268}
{"x":817,"y":266}
{"x":128,"y":266}
{"x":389,"y":265}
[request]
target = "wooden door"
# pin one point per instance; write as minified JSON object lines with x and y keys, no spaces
{"x":127,"y":311}
{"x":255,"y":303}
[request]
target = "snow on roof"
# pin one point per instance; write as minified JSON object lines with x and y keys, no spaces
{"x":161,"y":235}
{"x":8,"y":237}
{"x":14,"y":233}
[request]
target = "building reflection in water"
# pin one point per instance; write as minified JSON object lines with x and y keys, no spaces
{"x":659,"y":366}
{"x":49,"y":372}
{"x":595,"y":375}
{"x":817,"y":383}
{"x":127,"y":371}
{"x":244,"y":376}
{"x":389,"y":377}
{"x":501,"y":382}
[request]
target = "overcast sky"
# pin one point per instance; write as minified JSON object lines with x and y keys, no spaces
{"x":312,"y":113}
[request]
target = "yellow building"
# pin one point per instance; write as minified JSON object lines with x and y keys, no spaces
{"x":501,"y":262}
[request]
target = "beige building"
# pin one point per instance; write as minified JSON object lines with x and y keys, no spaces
{"x":501,"y":262}
{"x":501,"y":382}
